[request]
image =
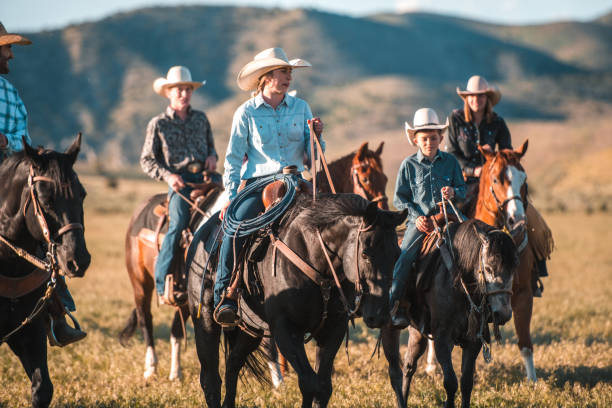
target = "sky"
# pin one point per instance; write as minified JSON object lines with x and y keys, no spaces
{"x":35,"y":15}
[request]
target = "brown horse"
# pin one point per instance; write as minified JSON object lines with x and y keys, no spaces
{"x":502,"y":202}
{"x":360,"y":172}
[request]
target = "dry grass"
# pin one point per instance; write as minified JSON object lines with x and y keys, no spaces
{"x":572,"y":333}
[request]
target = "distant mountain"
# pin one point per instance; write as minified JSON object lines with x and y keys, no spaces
{"x":369,"y":74}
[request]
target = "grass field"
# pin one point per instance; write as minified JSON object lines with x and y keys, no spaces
{"x":572,"y":332}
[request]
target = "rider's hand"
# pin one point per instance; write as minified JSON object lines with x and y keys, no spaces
{"x":448,"y":192}
{"x":223,"y":210}
{"x":175,"y":182}
{"x":424,"y":224}
{"x":211,"y":163}
{"x":3,"y":141}
{"x":477,"y":171}
{"x":317,"y":125}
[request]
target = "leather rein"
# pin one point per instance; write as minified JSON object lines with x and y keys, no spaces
{"x":44,"y":268}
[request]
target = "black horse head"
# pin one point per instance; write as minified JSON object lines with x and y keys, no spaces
{"x":490,"y":256}
{"x":363,"y":237}
{"x":42,"y":203}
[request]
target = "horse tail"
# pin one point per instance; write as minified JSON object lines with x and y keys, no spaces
{"x":128,"y":330}
{"x":256,"y":363}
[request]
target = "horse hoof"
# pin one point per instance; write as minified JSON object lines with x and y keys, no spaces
{"x":149,"y":373}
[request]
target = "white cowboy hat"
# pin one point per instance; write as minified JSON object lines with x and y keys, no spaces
{"x":478,"y":85}
{"x":424,"y":119}
{"x":10,"y":38}
{"x":266,"y":61}
{"x":177,"y":75}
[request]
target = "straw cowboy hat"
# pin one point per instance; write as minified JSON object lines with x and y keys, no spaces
{"x":424,"y":119}
{"x":9,"y":38}
{"x":177,"y":75}
{"x":478,"y":85}
{"x":264,"y":62}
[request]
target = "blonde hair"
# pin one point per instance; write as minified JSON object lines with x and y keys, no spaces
{"x":488,"y":113}
{"x":262,"y":83}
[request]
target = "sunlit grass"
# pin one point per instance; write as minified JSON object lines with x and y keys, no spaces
{"x":572,"y":332}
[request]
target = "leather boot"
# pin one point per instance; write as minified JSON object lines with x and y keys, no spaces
{"x":542,"y":269}
{"x":172,"y":296}
{"x":399,"y":319}
{"x":61,"y":334}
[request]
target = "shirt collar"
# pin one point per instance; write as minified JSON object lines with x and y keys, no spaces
{"x":421,"y":156}
{"x":287,"y":100}
{"x":172,"y":113}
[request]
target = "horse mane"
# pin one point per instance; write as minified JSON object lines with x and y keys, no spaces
{"x":467,"y":246}
{"x":50,"y":163}
{"x":327,"y":209}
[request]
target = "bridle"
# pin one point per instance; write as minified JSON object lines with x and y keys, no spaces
{"x":358,"y":187}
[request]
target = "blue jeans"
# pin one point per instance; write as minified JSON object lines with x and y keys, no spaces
{"x":249,"y":208}
{"x":411,"y":245}
{"x":178,"y":214}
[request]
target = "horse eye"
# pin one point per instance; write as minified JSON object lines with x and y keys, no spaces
{"x":495,"y":181}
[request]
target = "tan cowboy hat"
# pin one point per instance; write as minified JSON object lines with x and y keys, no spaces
{"x":478,"y":85}
{"x":9,"y":38}
{"x":424,"y":119}
{"x":266,"y":61}
{"x":177,"y":75}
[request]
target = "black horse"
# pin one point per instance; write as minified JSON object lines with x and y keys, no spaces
{"x":485,"y":263}
{"x":41,"y":206}
{"x":361,"y":242}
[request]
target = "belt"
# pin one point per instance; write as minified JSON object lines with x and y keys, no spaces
{"x":195,"y":166}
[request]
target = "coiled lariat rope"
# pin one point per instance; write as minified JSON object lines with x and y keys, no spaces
{"x":243,"y":228}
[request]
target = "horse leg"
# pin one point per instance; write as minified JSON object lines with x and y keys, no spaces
{"x":207,"y":336}
{"x":444,"y":349}
{"x":291,"y":345}
{"x":176,"y":335}
{"x":432,"y":365}
{"x":328,"y":343}
{"x":468,"y":360}
{"x":241,"y":345}
{"x":390,"y":344}
{"x":275,"y":363}
{"x":145,"y":321}
{"x":30,"y":346}
{"x":416,"y":347}
{"x":522,"y":307}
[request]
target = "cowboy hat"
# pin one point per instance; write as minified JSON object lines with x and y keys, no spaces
{"x":424,"y":119}
{"x":9,"y":38}
{"x":177,"y":75}
{"x":478,"y":85}
{"x":264,"y":62}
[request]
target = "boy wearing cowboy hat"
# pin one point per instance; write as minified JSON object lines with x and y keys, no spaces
{"x":14,"y":127}
{"x":271,"y":128}
{"x":179,"y":145}
{"x":423,"y":179}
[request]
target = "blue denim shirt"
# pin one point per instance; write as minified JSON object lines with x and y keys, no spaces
{"x":419,"y":182}
{"x":271,"y":138}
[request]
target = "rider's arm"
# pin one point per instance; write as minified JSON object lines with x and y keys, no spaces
{"x":504,"y":140}
{"x":14,"y":120}
{"x":457,"y":181}
{"x":236,"y":149}
{"x":152,"y":157}
{"x":404,"y":199}
{"x":210,"y":142}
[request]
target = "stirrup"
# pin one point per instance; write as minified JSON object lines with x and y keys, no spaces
{"x":53,"y":341}
{"x":170,"y":296}
{"x":218,"y":309}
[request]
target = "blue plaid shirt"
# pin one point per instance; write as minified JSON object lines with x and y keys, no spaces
{"x":13,"y":117}
{"x":419,"y":182}
{"x":271,"y":138}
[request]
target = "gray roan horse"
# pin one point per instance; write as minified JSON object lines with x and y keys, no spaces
{"x":486,"y":260}
{"x":41,"y":208}
{"x":361,"y":242}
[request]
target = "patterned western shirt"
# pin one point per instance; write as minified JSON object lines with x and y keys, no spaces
{"x":172,"y":143}
{"x":419,"y":182}
{"x":13,"y":117}
{"x":271,"y":138}
{"x":464,"y":137}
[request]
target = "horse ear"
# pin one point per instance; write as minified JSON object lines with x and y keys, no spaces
{"x":523,"y":149}
{"x":487,"y":153}
{"x":29,"y":150}
{"x":481,"y":235}
{"x":361,"y":153}
{"x":371,"y":213}
{"x":378,"y":151}
{"x":74,"y":149}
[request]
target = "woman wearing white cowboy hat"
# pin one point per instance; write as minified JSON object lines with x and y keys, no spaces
{"x":422,"y":180}
{"x":271,"y":128}
{"x":178,"y":146}
{"x":476,"y":124}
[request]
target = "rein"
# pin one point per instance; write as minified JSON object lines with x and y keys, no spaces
{"x":313,"y":163}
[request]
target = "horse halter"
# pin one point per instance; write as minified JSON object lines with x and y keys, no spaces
{"x":358,"y":187}
{"x":38,"y":212}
